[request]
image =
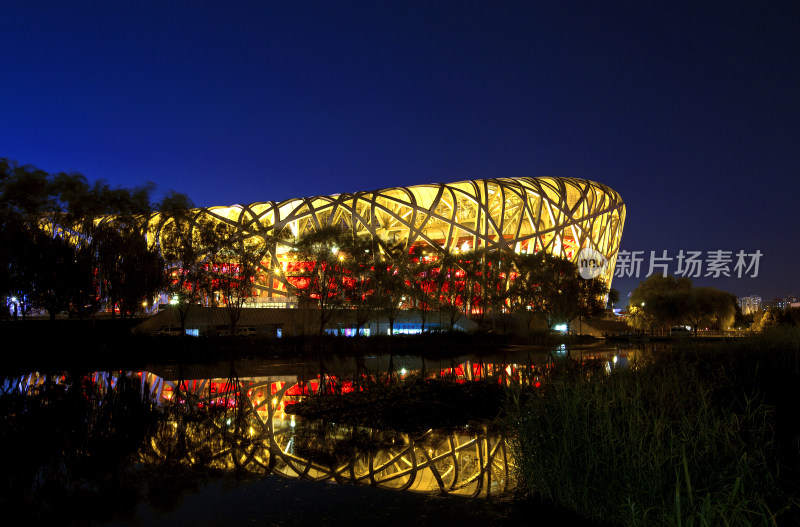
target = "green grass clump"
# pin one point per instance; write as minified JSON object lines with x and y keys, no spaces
{"x":662,"y":443}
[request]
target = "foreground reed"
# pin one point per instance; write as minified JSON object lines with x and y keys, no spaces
{"x":677,"y":439}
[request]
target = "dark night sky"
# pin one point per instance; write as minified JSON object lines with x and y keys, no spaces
{"x":690,"y":112}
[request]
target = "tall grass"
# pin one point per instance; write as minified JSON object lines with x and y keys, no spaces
{"x":662,"y":443}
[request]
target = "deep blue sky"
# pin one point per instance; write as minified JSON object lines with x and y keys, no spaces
{"x":691,"y":112}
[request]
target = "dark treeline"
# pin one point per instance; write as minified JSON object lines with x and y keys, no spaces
{"x":55,"y":254}
{"x":661,"y":302}
{"x":775,"y":317}
{"x":336,"y":271}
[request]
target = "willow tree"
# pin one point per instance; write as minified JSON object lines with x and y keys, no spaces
{"x":550,"y":287}
{"x":425,"y":281}
{"x":60,"y":254}
{"x":452,"y":295}
{"x":708,"y":306}
{"x":664,"y":301}
{"x":317,"y":274}
{"x":130,"y":270}
{"x":525,"y":295}
{"x":496,"y":272}
{"x":659,"y":302}
{"x":59,"y":274}
{"x":187,"y":238}
{"x":356,"y":255}
{"x":236,"y":261}
{"x":390,"y":281}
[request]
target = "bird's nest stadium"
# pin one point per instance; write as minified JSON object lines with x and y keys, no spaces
{"x":521,"y":215}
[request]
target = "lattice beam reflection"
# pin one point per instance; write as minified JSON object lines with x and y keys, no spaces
{"x":251,"y":432}
{"x":523,"y":215}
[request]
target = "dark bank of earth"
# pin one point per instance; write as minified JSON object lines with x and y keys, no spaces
{"x":412,"y":406}
{"x":284,"y":502}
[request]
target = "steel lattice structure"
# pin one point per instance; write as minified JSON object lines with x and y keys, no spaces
{"x":523,"y":215}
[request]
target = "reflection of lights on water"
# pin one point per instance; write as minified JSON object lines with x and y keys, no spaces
{"x":608,"y":367}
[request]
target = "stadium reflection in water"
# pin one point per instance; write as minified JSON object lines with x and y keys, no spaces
{"x":213,"y":418}
{"x":258,"y":436}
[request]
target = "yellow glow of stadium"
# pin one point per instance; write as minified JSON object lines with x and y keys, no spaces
{"x":523,"y":215}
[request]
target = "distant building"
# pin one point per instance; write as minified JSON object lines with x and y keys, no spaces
{"x":750,"y":304}
{"x":789,"y":301}
{"x":781,"y":302}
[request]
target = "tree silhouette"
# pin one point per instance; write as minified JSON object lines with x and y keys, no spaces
{"x":234,"y":270}
{"x":391,"y":283}
{"x":452,"y":298}
{"x":316,"y":274}
{"x":357,"y":257}
{"x":425,"y":281}
{"x":186,"y":240}
{"x":130,"y":270}
{"x":661,"y":302}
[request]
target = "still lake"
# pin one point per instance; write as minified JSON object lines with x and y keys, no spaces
{"x":221,"y":444}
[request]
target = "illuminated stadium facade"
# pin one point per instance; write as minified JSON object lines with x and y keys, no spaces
{"x":521,"y":215}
